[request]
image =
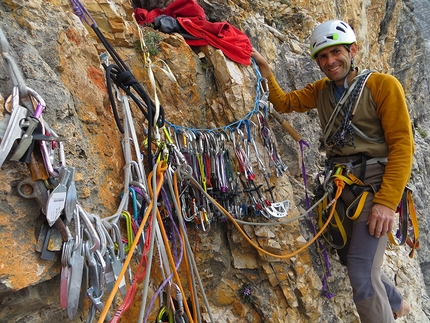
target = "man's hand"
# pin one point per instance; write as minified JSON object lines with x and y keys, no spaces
{"x":263,"y":65}
{"x":381,"y":220}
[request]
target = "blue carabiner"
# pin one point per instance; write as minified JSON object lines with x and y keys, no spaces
{"x":134,"y":201}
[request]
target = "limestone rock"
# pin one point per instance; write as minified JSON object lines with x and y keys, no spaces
{"x":59,"y":57}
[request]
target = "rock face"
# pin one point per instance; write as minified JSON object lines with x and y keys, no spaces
{"x":59,"y":57}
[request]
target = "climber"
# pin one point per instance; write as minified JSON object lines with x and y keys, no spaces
{"x":367,"y":129}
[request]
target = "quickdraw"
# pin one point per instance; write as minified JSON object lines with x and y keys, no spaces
{"x":266,"y":136}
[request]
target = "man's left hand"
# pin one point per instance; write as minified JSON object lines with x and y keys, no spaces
{"x":381,"y":220}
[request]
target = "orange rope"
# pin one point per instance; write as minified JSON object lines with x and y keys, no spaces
{"x":172,"y":263}
{"x":139,"y":275}
{"x":340,"y":185}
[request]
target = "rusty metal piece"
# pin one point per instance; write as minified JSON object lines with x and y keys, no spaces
{"x":36,"y":165}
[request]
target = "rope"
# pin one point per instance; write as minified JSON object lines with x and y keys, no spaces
{"x":284,"y":221}
{"x":340,"y":185}
{"x":131,"y":292}
{"x":169,"y":274}
{"x":320,"y":246}
{"x":187,"y":243}
{"x":184,"y":237}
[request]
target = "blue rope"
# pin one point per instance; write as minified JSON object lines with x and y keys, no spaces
{"x":238,"y":123}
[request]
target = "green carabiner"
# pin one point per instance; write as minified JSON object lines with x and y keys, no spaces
{"x":161,"y":315}
{"x":129,"y":228}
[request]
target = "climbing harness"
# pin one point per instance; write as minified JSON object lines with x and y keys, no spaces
{"x":408,"y":230}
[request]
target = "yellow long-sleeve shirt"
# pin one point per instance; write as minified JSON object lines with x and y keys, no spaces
{"x":382,"y":113}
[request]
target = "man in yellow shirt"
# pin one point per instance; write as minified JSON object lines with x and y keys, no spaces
{"x":366,"y":126}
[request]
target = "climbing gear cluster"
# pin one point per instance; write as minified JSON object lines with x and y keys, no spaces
{"x":347,"y":107}
{"x":195,"y":176}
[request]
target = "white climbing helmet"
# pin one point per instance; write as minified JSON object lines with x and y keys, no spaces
{"x":330,"y":33}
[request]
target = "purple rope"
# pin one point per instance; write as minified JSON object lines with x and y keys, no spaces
{"x":327,"y":274}
{"x":301,"y":144}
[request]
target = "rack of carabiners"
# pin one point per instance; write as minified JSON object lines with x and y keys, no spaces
{"x":222,"y":162}
{"x":195,"y":176}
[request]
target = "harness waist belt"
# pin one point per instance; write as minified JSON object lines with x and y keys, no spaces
{"x":355,"y":160}
{"x":373,"y":161}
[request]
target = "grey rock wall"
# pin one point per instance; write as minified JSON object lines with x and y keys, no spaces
{"x":421,"y":171}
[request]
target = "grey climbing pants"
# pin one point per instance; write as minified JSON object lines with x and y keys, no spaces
{"x":374,"y":294}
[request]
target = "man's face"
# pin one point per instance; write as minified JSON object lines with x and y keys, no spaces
{"x":335,"y":62}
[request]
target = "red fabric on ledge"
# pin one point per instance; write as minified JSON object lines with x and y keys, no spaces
{"x":230,"y":40}
{"x":178,"y":8}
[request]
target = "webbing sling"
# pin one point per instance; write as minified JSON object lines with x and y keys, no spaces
{"x":407,"y":213}
{"x":357,"y":205}
{"x":324,"y":206}
{"x":337,"y":225}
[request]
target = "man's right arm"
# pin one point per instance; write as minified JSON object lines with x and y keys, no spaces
{"x":285,"y":102}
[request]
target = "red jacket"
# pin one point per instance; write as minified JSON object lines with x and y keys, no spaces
{"x":230,"y":40}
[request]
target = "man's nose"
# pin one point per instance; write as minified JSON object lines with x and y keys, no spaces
{"x":331,"y":58}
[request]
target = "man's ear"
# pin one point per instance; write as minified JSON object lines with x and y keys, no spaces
{"x":354,"y":49}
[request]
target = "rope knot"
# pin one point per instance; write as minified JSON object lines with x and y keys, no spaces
{"x":185,"y":172}
{"x":339,"y":183}
{"x":126,"y":78}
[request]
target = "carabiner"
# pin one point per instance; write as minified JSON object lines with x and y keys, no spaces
{"x":129,"y":228}
{"x":161,"y":315}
